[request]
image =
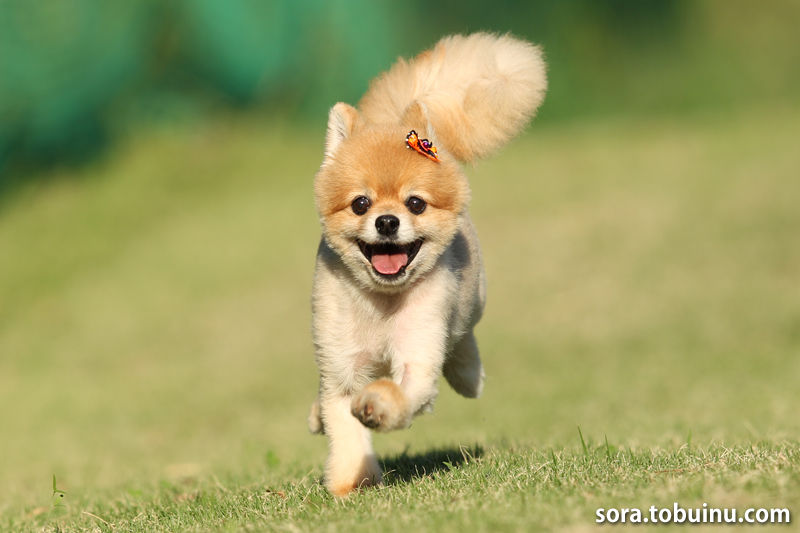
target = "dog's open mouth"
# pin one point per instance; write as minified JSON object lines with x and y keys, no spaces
{"x":388,"y":259}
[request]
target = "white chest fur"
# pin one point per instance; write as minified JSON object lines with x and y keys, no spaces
{"x":361,"y":336}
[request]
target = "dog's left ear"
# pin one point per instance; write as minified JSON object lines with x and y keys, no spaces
{"x":415,"y":117}
{"x":341,"y":120}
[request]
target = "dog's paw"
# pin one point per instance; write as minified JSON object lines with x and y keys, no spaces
{"x":342,"y":481}
{"x":315,"y":420}
{"x":381,"y":406}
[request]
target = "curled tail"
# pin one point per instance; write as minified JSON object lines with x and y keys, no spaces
{"x":478,"y":91}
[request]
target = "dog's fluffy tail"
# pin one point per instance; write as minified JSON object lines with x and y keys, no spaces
{"x":478,"y":91}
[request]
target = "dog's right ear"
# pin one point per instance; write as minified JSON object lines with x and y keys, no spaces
{"x":341,"y":120}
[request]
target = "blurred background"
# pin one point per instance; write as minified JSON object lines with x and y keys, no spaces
{"x":157,"y":231}
{"x":74,"y":76}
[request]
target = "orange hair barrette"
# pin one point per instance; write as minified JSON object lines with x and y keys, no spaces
{"x":423,"y":146}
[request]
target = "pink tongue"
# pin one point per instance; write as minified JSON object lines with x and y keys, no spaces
{"x":389,"y":263}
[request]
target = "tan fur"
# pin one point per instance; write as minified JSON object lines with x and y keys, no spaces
{"x":480,"y":90}
{"x":382,"y":342}
{"x":382,"y":406}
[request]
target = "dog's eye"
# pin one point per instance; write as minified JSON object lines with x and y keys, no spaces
{"x":416,"y":205}
{"x":360,"y":205}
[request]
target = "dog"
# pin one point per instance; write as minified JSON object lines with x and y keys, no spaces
{"x":399,"y":283}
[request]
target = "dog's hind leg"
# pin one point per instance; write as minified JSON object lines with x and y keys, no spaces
{"x":315,"y":419}
{"x":463,"y":369}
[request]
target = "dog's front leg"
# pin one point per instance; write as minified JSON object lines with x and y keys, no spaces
{"x":385,"y":404}
{"x":351,"y":461}
{"x":421,"y":373}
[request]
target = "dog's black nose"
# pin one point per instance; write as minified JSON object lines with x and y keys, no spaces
{"x":387,"y":224}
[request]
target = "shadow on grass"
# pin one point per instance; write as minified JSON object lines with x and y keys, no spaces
{"x":404,"y":467}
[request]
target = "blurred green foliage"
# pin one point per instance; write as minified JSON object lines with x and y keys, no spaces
{"x":73,"y":73}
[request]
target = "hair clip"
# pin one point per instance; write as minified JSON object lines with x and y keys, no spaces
{"x":423,"y":146}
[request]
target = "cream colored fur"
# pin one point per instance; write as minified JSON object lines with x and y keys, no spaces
{"x":382,"y":345}
{"x":480,"y":90}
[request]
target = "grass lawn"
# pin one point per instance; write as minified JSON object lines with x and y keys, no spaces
{"x":644,"y":285}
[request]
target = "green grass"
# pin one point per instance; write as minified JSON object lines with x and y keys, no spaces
{"x":155,"y":353}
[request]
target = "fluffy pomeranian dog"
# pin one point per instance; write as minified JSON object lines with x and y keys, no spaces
{"x":399,"y":284}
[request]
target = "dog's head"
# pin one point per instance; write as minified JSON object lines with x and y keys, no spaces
{"x":387,"y":210}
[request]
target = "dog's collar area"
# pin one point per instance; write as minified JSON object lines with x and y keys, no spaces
{"x":390,"y":260}
{"x":422,"y":146}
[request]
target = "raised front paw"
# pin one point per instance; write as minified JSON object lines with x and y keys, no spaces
{"x":381,"y":406}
